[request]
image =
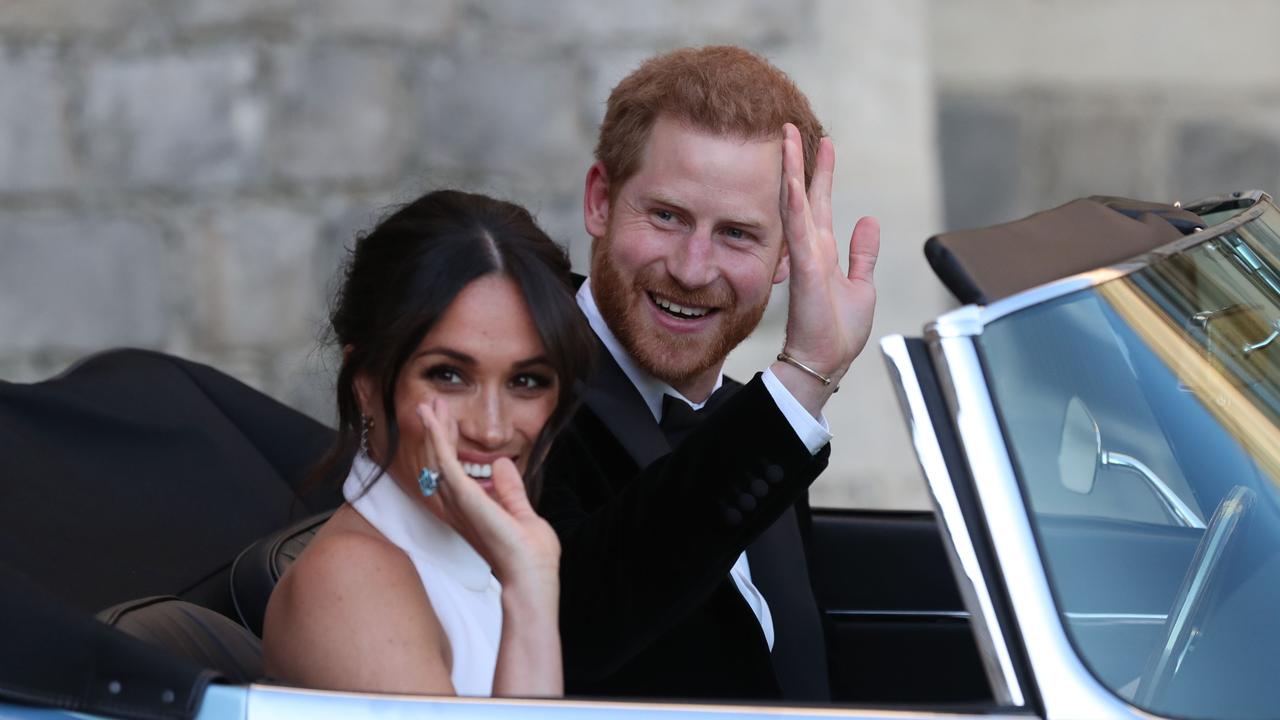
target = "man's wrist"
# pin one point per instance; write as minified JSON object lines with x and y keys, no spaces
{"x":812,"y":430}
{"x":808,"y":369}
{"x":806,"y":389}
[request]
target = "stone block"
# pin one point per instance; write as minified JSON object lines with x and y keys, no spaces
{"x":75,"y":282}
{"x":256,"y":285}
{"x":35,"y":139}
{"x":64,"y":17}
{"x":305,"y":381}
{"x":1093,"y":146}
{"x":1217,"y":156}
{"x":176,"y":121}
{"x":513,"y":116}
{"x":1118,"y":45}
{"x":205,"y":14}
{"x":415,"y":20}
{"x":606,"y":69}
{"x":979,"y":140}
{"x":343,"y":220}
{"x":339,"y":114}
{"x":663,"y":22}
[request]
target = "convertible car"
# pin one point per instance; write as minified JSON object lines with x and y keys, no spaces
{"x":1098,"y":424}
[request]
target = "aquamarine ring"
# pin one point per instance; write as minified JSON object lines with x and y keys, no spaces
{"x":428,"y":481}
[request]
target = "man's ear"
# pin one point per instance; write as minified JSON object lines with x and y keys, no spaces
{"x":595,"y":201}
{"x":783,"y":270}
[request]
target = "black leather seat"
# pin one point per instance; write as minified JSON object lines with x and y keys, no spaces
{"x":191,"y":632}
{"x":261,"y":565}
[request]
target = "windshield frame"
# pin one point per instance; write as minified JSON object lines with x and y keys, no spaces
{"x":971,"y":320}
{"x":1065,"y":685}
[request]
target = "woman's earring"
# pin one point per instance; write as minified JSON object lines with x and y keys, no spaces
{"x":366,"y":424}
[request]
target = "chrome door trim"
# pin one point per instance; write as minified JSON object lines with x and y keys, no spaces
{"x":270,"y":702}
{"x":1114,"y":618}
{"x":224,"y":702}
{"x":991,"y":638}
{"x":1066,"y":687}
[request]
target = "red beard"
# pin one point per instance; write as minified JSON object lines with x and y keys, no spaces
{"x":672,"y":358}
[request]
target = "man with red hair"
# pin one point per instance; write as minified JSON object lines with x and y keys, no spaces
{"x":672,"y":489}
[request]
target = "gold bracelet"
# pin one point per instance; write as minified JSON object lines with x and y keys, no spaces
{"x":784,"y":357}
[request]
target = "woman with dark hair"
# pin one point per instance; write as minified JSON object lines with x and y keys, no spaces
{"x":461,"y":343}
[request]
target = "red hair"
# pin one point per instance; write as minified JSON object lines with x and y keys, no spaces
{"x":721,"y":89}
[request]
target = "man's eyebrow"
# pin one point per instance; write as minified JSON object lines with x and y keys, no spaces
{"x":662,"y":198}
{"x":749,"y":222}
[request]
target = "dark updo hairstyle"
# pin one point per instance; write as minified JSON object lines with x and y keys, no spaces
{"x":402,"y":277}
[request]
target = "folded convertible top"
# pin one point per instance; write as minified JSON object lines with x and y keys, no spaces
{"x":985,"y":265}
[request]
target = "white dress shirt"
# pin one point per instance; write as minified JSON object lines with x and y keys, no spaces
{"x":813,"y":433}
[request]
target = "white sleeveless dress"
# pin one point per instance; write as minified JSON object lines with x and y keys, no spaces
{"x":467,"y":598}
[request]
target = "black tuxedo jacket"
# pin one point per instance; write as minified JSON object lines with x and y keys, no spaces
{"x":649,"y":536}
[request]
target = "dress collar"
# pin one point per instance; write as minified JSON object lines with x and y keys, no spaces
{"x":650,"y":388}
{"x":405,"y":521}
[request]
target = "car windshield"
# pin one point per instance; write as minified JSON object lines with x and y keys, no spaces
{"x":1143,"y":419}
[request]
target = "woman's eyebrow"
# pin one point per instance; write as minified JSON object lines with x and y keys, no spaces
{"x":447,"y":352}
{"x":539,"y":360}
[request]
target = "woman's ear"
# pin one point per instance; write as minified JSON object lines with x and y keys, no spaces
{"x":363,"y":386}
{"x":364,"y":395}
{"x":595,"y":201}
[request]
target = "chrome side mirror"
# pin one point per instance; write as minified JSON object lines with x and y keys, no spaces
{"x":1080,"y":451}
{"x":1080,"y":457}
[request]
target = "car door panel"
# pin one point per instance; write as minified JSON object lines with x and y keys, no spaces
{"x":897,"y":631}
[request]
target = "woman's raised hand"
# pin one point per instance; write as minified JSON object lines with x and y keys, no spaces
{"x":518,"y":544}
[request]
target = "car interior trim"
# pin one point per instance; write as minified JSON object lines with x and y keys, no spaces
{"x":902,"y":614}
{"x":997,"y":662}
{"x":1066,"y":687}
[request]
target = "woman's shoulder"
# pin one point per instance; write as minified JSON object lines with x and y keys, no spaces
{"x":348,"y":556}
{"x":351,"y":593}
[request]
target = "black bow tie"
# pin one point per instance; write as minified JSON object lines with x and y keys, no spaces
{"x":679,"y":418}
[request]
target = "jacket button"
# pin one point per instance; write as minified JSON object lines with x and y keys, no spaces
{"x":747,"y":502}
{"x":773,"y":473}
{"x":732,"y":517}
{"x":758,"y":487}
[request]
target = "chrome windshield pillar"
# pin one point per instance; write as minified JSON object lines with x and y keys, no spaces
{"x":1065,"y":686}
{"x":991,"y":639}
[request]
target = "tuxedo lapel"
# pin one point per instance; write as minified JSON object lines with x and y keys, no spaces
{"x":611,"y":396}
{"x":776,"y":558}
{"x":778,"y":569}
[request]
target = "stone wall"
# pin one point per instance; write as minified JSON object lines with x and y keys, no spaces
{"x":184,"y":175}
{"x":1043,"y":102}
